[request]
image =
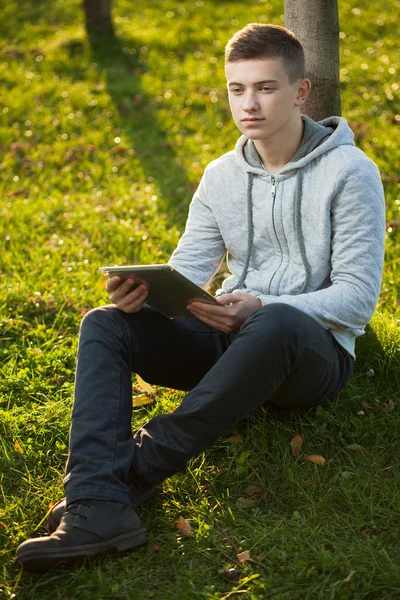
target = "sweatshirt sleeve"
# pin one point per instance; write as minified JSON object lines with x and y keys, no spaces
{"x":201,"y":248}
{"x":358,"y":236}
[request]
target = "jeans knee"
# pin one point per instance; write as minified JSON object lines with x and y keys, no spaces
{"x":279,"y":320}
{"x":103,"y":317}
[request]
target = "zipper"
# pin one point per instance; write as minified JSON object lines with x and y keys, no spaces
{"x":273,"y":193}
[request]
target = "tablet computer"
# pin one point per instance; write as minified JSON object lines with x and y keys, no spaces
{"x":169,"y":291}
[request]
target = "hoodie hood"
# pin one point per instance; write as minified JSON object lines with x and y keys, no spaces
{"x":319,"y":137}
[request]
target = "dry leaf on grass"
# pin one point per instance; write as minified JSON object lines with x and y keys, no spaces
{"x":317,"y":459}
{"x":349,"y":576}
{"x":3,"y":525}
{"x":244,"y":556}
{"x":156,"y":545}
{"x":245,"y":503}
{"x":355,"y":448}
{"x":146,"y":387}
{"x":18,"y":448}
{"x":284,"y":486}
{"x":296,"y":444}
{"x":184,"y":526}
{"x":141,"y":400}
{"x":235,"y":438}
{"x":253,"y":489}
{"x":383,"y":408}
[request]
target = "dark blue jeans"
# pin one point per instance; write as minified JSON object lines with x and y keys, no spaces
{"x":280,"y":356}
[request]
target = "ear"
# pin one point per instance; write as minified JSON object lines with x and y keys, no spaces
{"x":303,"y":89}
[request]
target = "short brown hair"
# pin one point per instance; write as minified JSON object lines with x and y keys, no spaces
{"x":258,"y":40}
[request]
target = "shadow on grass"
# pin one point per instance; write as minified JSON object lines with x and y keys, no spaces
{"x":123,"y":63}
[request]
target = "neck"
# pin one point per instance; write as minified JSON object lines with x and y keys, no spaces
{"x":277,"y":150}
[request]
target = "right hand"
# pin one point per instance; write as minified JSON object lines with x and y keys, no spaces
{"x":118,"y":289}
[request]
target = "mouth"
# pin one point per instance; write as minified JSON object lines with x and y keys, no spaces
{"x":252,"y":120}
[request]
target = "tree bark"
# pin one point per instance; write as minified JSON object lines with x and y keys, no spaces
{"x":316,"y":24}
{"x":98,"y":17}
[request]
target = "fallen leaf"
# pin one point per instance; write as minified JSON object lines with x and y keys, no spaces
{"x":232,"y":574}
{"x":18,"y":448}
{"x":253,"y":489}
{"x":368,"y":530}
{"x":387,"y":468}
{"x":245,"y":503}
{"x":349,"y":576}
{"x":156,"y":545}
{"x":284,"y":486}
{"x":184,"y":526}
{"x":296,"y":444}
{"x":307,"y":482}
{"x":368,"y":405}
{"x":388,"y":406}
{"x":141,"y":400}
{"x":235,"y":438}
{"x":317,"y":459}
{"x":50,"y":505}
{"x":3,"y":525}
{"x":146,"y":387}
{"x":244,"y":556}
{"x":355,"y":448}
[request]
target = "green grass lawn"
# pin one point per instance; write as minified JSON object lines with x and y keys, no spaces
{"x":101,"y":152}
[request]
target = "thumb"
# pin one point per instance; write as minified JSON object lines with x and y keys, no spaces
{"x":227,"y":298}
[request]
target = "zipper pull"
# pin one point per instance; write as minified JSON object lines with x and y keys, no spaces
{"x":273,"y":187}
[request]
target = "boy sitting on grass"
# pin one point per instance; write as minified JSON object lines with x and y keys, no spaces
{"x":300,"y":212}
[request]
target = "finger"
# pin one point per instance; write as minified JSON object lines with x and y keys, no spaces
{"x":209,"y":309}
{"x":231,"y":298}
{"x":213,"y":321}
{"x":117,"y":283}
{"x":132,"y":297}
{"x":135,"y":304}
{"x":113,"y":283}
{"x":121,"y":291}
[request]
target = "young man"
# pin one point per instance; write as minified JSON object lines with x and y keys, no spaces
{"x":300,"y":211}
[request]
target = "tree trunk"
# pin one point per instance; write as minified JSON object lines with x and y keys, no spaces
{"x":98,"y":17}
{"x":316,"y":24}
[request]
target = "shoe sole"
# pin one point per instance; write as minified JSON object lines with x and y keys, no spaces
{"x":52,"y":523}
{"x":40,"y":562}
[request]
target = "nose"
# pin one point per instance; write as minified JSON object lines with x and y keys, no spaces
{"x":250,"y":103}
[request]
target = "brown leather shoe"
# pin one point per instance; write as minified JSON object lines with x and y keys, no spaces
{"x":87,"y":528}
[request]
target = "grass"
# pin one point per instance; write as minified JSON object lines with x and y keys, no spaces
{"x":102,"y":150}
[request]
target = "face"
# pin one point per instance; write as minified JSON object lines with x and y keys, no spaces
{"x":263,"y":102}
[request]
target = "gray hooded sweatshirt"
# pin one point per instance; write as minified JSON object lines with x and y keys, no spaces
{"x":311,"y":236}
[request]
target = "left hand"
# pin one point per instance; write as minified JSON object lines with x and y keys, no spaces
{"x":226,"y":318}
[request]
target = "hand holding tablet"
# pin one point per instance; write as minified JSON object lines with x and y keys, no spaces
{"x":169,"y":291}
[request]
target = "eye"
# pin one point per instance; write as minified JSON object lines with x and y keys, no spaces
{"x":236,"y":90}
{"x":266,"y":88}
